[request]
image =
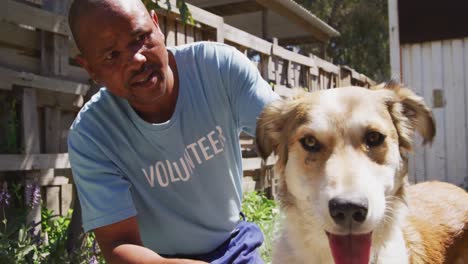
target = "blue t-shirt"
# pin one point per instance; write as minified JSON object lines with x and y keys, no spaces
{"x":182,"y":178}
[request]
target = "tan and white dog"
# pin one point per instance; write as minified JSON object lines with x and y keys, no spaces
{"x":342,"y":163}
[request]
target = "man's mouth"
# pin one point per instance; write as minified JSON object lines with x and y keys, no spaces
{"x":350,"y":249}
{"x":144,"y":79}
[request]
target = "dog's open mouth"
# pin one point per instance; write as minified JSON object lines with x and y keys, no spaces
{"x":350,"y":249}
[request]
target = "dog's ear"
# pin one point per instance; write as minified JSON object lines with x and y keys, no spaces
{"x":276,"y":123}
{"x":410,"y":113}
{"x":269,"y":126}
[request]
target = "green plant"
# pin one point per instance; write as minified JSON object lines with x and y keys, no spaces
{"x":265,"y":213}
{"x":23,"y":242}
{"x":185,"y":14}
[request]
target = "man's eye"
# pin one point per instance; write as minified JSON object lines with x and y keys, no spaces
{"x":142,"y":37}
{"x":111,"y":56}
{"x":311,"y":144}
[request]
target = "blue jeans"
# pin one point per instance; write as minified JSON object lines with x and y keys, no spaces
{"x":240,"y":248}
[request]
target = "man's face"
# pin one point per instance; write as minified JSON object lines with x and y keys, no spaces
{"x":123,"y":49}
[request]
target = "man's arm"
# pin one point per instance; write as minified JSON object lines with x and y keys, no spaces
{"x":121,"y":243}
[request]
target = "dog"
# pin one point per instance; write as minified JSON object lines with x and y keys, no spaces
{"x":342,"y":158}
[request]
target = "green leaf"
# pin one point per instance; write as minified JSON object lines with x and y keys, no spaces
{"x":24,"y":251}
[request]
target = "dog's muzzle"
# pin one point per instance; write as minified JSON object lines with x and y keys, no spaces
{"x":348,"y":212}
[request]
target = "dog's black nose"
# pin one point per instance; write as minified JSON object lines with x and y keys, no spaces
{"x":346,"y":212}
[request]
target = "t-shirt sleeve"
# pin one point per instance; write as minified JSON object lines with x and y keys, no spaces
{"x":248,"y":91}
{"x":103,"y":192}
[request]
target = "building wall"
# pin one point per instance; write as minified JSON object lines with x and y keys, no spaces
{"x":438,"y":70}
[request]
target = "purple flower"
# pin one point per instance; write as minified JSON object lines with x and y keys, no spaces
{"x":4,"y":195}
{"x":93,"y":260}
{"x":32,"y":194}
{"x":94,"y":247}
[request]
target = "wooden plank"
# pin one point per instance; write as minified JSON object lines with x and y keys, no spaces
{"x":247,"y":40}
{"x":19,"y":36}
{"x":450,"y":119}
{"x":198,"y":14}
{"x":314,"y":84}
{"x":284,"y":91}
{"x":432,"y":80}
{"x":326,"y":66}
{"x":180,"y":36}
{"x":406,"y":79}
{"x":162,"y":24}
{"x":457,"y":111}
{"x":416,"y":86}
{"x":54,"y":62}
{"x":66,"y":119}
{"x":33,"y":162}
{"x":51,"y":129}
{"x":220,"y":33}
{"x":68,"y":102}
{"x":249,"y":164}
{"x":297,"y":74}
{"x":466,"y":99}
{"x":345,"y":76}
{"x":271,"y":69}
{"x":171,"y":32}
{"x":19,"y":13}
{"x":313,"y":70}
{"x":31,"y":137}
{"x":11,"y":77}
{"x":281,"y":68}
{"x":198,"y":34}
{"x":73,"y":49}
{"x":54,"y":54}
{"x":289,"y":73}
{"x":296,"y":57}
{"x":78,"y":74}
{"x":189,"y":34}
{"x":394,"y":32}
{"x":30,"y":121}
{"x":264,"y":66}
{"x":54,"y":180}
{"x":14,"y":59}
{"x":52,"y":198}
{"x":66,"y":198}
{"x":55,"y":47}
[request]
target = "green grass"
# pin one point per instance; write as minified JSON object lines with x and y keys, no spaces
{"x":265,"y":213}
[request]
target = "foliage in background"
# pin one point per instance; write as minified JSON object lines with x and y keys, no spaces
{"x":364,"y":40}
{"x":265,"y":213}
{"x":185,"y":14}
{"x":22,"y":242}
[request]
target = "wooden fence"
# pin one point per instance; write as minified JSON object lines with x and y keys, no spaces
{"x":42,"y":88}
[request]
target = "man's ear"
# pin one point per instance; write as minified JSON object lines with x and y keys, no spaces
{"x":154,"y":17}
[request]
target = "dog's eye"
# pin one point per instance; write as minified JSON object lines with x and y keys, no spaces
{"x":374,"y":139}
{"x":310,"y":143}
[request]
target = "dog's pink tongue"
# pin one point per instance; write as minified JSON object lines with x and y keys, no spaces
{"x":350,"y":249}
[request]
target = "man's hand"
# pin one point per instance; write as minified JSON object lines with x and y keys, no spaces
{"x":121,"y":243}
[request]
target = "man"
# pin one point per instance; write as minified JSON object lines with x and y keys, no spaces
{"x":155,"y":155}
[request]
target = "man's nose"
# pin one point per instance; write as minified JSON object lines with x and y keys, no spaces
{"x":137,"y":59}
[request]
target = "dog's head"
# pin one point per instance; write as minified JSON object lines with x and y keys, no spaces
{"x":342,"y":153}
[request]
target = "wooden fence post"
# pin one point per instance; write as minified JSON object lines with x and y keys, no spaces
{"x":31,"y":144}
